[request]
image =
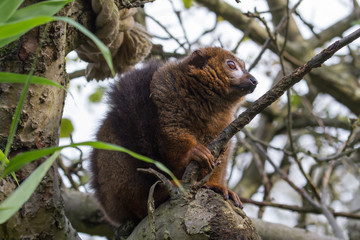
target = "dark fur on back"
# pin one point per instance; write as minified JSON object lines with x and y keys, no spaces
{"x":131,"y":123}
{"x":132,"y":111}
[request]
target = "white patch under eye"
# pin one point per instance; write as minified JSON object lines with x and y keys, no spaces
{"x":238,"y":73}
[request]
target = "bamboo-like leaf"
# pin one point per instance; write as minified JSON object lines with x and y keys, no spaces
{"x":23,"y":158}
{"x":8,"y":40}
{"x":6,"y":77}
{"x":15,"y":28}
{"x":46,"y":8}
{"x":7,"y":9}
{"x":14,"y":202}
{"x":104,"y":50}
{"x":4,"y":161}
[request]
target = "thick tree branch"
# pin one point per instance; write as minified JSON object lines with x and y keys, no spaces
{"x":273,"y":231}
{"x":74,"y":201}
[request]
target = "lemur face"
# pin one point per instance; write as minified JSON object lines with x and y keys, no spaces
{"x":239,"y":78}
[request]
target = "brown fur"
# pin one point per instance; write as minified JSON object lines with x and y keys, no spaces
{"x":167,"y":113}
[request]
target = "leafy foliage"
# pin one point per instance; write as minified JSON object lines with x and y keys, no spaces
{"x":66,"y":128}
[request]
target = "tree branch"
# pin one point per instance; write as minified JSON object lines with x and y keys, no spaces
{"x":276,"y":92}
{"x":74,"y":201}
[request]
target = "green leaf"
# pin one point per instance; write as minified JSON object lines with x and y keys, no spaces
{"x":7,"y":9}
{"x":187,"y":3}
{"x":4,"y":161}
{"x":104,"y":50}
{"x":295,"y":100}
{"x":6,"y":77}
{"x":66,"y":128}
{"x":8,"y":40}
{"x":97,"y":95}
{"x":46,"y":8}
{"x":15,"y":28}
{"x":23,"y":158}
{"x":14,"y":202}
{"x":219,"y":18}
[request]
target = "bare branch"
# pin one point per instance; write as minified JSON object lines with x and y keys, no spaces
{"x":277,"y":91}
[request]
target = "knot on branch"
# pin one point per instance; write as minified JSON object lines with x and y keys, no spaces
{"x":127,"y":40}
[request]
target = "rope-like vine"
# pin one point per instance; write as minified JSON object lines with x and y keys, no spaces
{"x":127,"y":40}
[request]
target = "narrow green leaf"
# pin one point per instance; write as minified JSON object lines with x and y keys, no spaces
{"x":14,"y":202}
{"x":104,"y":50}
{"x":46,"y":8}
{"x":15,"y":28}
{"x":6,"y":77}
{"x":4,"y":161}
{"x":23,"y":158}
{"x":163,"y":168}
{"x":8,"y":40}
{"x":7,"y":9}
{"x":66,"y":128}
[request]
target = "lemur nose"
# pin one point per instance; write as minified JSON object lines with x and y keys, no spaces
{"x":253,"y":80}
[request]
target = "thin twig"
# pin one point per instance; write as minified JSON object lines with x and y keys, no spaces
{"x":298,"y":208}
{"x":167,"y":31}
{"x":330,"y":217}
{"x":178,"y":15}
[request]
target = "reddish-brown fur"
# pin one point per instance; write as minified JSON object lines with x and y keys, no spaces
{"x":169,"y":113}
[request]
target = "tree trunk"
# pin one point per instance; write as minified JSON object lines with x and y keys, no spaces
{"x":43,"y":215}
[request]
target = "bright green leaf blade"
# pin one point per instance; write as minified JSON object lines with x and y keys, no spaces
{"x":14,"y":202}
{"x":15,"y":28}
{"x":21,"y":159}
{"x":8,"y":40}
{"x":46,"y":8}
{"x":6,"y":77}
{"x":7,"y":9}
{"x":3,"y":161}
{"x":66,"y":128}
{"x":104,"y":50}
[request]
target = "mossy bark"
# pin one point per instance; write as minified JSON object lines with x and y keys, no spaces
{"x":43,"y":215}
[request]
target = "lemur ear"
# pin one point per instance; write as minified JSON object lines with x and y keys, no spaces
{"x":198,"y":59}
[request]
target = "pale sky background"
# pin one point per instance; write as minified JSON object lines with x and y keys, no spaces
{"x":322,"y":13}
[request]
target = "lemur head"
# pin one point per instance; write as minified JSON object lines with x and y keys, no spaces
{"x":222,"y":72}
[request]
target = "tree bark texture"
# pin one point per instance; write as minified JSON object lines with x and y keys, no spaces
{"x":43,"y":215}
{"x":82,"y":210}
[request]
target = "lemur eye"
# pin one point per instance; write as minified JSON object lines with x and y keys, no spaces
{"x":231,"y":65}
